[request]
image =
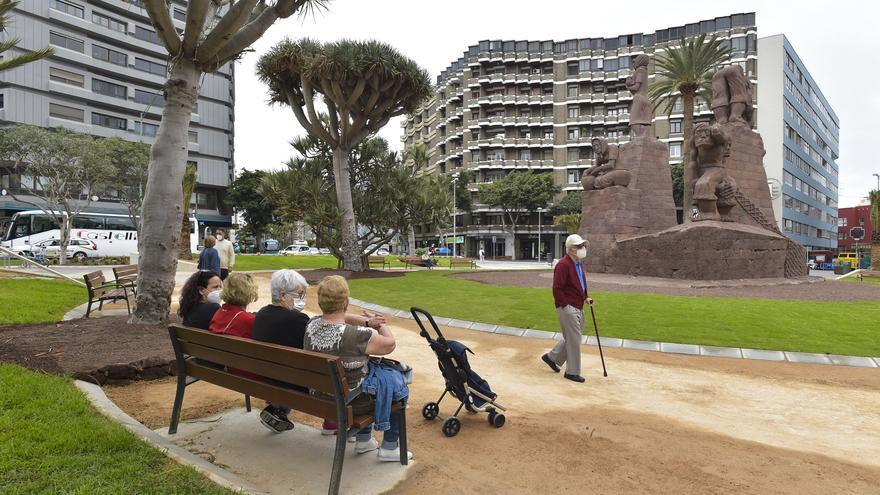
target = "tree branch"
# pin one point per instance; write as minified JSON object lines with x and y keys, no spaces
{"x":231,"y":22}
{"x":196,"y":15}
{"x":161,"y":19}
{"x":334,"y":119}
{"x":309,"y":100}
{"x":252,"y":31}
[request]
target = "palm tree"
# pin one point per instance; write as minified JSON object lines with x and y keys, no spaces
{"x":363,"y":84}
{"x":874,"y":196}
{"x":7,"y":63}
{"x":416,"y":157}
{"x":683,"y":72}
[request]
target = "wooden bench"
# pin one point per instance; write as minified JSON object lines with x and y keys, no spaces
{"x":126,"y":276}
{"x":468,"y":262}
{"x":202,"y":355}
{"x":378,"y":260}
{"x":100,"y":291}
{"x":409,"y":261}
{"x":867,"y":274}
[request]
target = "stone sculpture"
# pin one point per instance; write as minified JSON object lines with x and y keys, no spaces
{"x":606,"y":172}
{"x":641,"y":113}
{"x":705,"y":155}
{"x":732,"y":96}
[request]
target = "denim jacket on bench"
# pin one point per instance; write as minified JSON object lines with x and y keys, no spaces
{"x":387,"y":385}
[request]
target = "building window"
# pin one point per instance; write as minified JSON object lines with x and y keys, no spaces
{"x":205,"y":200}
{"x":65,"y":41}
{"x":108,"y":55}
{"x":145,"y":129}
{"x":573,"y":112}
{"x":675,"y":127}
{"x":193,"y":136}
{"x":109,"y":121}
{"x":66,"y":77}
{"x":573,"y":154}
{"x":548,"y":133}
{"x":67,"y":113}
{"x":180,"y":15}
{"x":151,"y":67}
{"x":674,"y":150}
{"x":148,"y":98}
{"x":525,"y":154}
{"x":574,"y":133}
{"x":145,"y":34}
{"x":574,"y":176}
{"x":572,"y":90}
{"x":2,"y":100}
{"x":109,"y":89}
{"x":67,"y":7}
{"x":109,"y":22}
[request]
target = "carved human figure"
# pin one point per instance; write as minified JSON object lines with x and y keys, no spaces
{"x":641,"y":112}
{"x":732,"y":96}
{"x":706,"y":152}
{"x":605,"y":173}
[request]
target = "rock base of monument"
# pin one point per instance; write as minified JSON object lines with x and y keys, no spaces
{"x":705,"y":250}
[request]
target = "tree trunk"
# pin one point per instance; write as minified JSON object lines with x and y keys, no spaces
{"x":65,"y":240}
{"x":351,"y":255}
{"x":411,"y":240}
{"x":163,"y":210}
{"x":258,"y":240}
{"x":687,"y":204}
{"x":188,"y":186}
{"x":875,"y":249}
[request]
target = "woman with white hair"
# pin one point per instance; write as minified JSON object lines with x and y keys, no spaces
{"x":283,"y":322}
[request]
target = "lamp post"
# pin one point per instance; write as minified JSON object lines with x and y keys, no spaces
{"x":540,"y":210}
{"x":454,"y":180}
{"x":878,"y":180}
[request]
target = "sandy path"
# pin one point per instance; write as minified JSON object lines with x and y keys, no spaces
{"x":658,"y":423}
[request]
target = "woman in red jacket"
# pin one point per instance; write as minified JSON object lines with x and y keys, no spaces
{"x":232,"y":318}
{"x":569,"y":295}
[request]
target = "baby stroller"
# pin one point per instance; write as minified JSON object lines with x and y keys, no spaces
{"x":462,"y":382}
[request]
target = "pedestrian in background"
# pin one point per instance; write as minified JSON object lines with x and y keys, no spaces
{"x":210,"y":259}
{"x":227,"y":253}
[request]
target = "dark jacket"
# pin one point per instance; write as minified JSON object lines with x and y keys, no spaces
{"x":210,"y":260}
{"x":566,"y":286}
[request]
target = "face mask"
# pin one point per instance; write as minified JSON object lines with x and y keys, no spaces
{"x":214,"y":297}
{"x":300,"y":304}
{"x":582,"y":253}
{"x":219,"y":237}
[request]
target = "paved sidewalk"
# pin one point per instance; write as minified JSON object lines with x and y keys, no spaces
{"x":642,"y":345}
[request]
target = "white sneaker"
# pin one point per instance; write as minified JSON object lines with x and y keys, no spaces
{"x":368,"y":446}
{"x":389,"y":455}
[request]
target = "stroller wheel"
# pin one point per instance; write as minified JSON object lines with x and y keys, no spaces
{"x":431,"y":410}
{"x":451,"y":426}
{"x":497,"y":420}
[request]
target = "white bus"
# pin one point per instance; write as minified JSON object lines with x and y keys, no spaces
{"x":113,"y":235}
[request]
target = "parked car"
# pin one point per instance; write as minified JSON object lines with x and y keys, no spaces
{"x":323,"y":250}
{"x":314,"y":251}
{"x":812,"y":264}
{"x":295,"y":250}
{"x":32,"y":249}
{"x":382,"y":252}
{"x":77,"y":249}
{"x":443,"y":251}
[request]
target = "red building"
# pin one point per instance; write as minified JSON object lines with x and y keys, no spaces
{"x":858,"y":217}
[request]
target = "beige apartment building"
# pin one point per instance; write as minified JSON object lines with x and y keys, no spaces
{"x":535,"y":105}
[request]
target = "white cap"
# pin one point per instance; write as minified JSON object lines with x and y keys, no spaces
{"x":574,"y":240}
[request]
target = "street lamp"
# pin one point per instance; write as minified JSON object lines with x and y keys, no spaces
{"x":454,"y":180}
{"x":878,"y":180}
{"x":540,"y":210}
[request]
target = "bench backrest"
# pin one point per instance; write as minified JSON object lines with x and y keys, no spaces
{"x":461,"y":260}
{"x":376,"y":259}
{"x":311,"y":370}
{"x":126,"y":271}
{"x":93,"y":280}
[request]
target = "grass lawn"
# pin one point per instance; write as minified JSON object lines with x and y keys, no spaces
{"x":806,"y":326}
{"x":52,"y":441}
{"x":275,"y":262}
{"x":37,"y":300}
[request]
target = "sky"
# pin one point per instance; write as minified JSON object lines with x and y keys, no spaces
{"x":837,"y":41}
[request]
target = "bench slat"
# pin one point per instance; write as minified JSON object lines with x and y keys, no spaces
{"x":289,"y":373}
{"x":270,"y":393}
{"x":285,"y":356}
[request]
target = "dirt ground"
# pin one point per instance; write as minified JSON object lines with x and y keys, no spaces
{"x":829,"y":290}
{"x":658,"y":424}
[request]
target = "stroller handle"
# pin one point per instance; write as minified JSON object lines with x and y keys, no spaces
{"x":423,"y":331}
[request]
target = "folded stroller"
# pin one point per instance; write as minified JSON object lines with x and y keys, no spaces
{"x":463,"y":383}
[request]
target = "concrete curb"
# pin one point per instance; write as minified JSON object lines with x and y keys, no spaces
{"x":643,"y":345}
{"x":220,"y":476}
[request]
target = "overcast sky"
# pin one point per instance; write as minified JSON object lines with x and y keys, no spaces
{"x":837,"y":41}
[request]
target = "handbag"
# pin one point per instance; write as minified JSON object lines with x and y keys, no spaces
{"x":403,"y":368}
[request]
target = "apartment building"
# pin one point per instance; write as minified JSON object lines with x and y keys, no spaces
{"x":106,"y":79}
{"x":802,"y":136}
{"x":535,"y":105}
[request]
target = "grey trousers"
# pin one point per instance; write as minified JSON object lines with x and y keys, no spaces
{"x":568,"y":350}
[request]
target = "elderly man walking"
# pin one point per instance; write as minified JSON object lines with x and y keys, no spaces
{"x":569,"y":295}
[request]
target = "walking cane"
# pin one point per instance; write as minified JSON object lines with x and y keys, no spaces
{"x":596,"y":327}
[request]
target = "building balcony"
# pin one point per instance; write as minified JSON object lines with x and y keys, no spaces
{"x":511,"y":164}
{"x":514,"y":142}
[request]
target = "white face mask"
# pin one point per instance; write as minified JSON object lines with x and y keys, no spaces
{"x":214,"y":297}
{"x":582,"y":253}
{"x":219,"y":237}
